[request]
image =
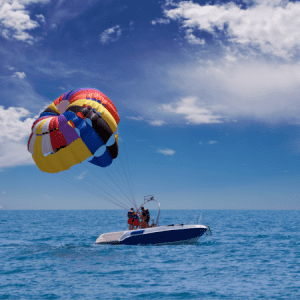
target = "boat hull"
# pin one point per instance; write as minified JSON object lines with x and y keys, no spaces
{"x":161,"y":235}
{"x":170,"y":237}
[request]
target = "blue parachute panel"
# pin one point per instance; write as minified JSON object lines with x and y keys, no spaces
{"x":103,"y":161}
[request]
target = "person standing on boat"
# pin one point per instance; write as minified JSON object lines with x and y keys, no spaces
{"x":130,"y":218}
{"x":136,"y":221}
{"x":145,"y":217}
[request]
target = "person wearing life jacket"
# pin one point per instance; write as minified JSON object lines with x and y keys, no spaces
{"x":136,"y":221}
{"x":130,"y":218}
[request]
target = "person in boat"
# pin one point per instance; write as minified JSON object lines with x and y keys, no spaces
{"x":136,"y":221}
{"x":145,"y":218}
{"x":130,"y":218}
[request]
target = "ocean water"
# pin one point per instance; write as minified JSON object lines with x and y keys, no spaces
{"x":52,"y":255}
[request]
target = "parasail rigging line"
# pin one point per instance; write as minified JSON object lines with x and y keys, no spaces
{"x":115,"y":181}
{"x":90,"y":191}
{"x":127,"y":199}
{"x":115,"y":173}
{"x":124,"y":184}
{"x":88,"y":185}
{"x":128,"y":178}
{"x":93,"y":184}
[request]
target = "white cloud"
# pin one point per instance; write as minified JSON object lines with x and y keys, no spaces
{"x":111,"y":34}
{"x":15,"y":20}
{"x":271,"y":26}
{"x":14,"y":154}
{"x":166,"y":151}
{"x":14,"y":123}
{"x":160,"y":21}
{"x":135,"y":118}
{"x":151,"y":122}
{"x":157,"y":122}
{"x":208,"y":143}
{"x":41,"y":18}
{"x":15,"y":128}
{"x":245,"y":88}
{"x":193,"y":111}
{"x":20,"y":75}
{"x":205,"y":88}
{"x":192,"y":39}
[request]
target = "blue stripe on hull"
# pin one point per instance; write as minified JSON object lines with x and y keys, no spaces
{"x":165,"y":237}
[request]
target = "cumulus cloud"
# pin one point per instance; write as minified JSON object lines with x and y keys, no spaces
{"x":111,"y":34}
{"x":41,"y":18}
{"x":192,"y":110}
{"x":14,"y":154}
{"x":270,"y":26}
{"x":166,"y":151}
{"x":192,"y":39}
{"x":15,"y":125}
{"x":20,"y":75}
{"x":15,"y":21}
{"x":218,"y":91}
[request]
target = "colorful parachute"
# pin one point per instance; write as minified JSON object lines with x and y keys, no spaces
{"x":62,"y":135}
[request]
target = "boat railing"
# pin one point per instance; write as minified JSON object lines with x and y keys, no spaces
{"x":200,"y":220}
{"x":208,"y":231}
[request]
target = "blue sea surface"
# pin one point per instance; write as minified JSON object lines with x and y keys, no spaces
{"x":52,"y":255}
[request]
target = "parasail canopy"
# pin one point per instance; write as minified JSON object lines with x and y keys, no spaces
{"x":72,"y":129}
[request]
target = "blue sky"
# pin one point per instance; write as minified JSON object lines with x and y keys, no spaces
{"x":207,"y":93}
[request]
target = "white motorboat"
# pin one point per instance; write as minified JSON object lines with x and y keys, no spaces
{"x":156,"y":235}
